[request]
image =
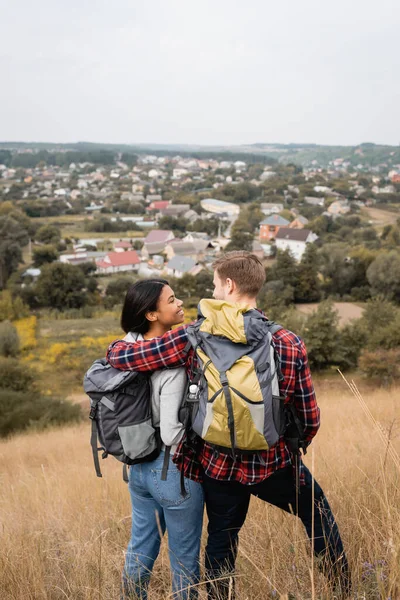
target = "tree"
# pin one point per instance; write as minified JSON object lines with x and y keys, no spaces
{"x":322,"y":337}
{"x":129,"y":159}
{"x":383,"y":275}
{"x":48,"y":234}
{"x":284,"y":269}
{"x":308,"y":287}
{"x":240,"y":240}
{"x":336,"y":269}
{"x":12,"y":238}
{"x":12,"y":308}
{"x":116,"y":291}
{"x":61,"y":286}
{"x":174,"y":223}
{"x":44,"y":254}
{"x":22,"y":406}
{"x":9,"y":340}
{"x":194,"y":287}
{"x":274,"y":297}
{"x":209,"y":226}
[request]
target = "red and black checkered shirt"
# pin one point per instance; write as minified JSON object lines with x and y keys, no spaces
{"x":297,"y":387}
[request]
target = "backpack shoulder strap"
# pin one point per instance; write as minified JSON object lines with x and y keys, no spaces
{"x":273,"y":327}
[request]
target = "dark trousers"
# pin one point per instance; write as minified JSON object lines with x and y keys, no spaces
{"x":227,"y":503}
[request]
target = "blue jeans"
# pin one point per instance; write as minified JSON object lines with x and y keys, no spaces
{"x":158,"y":505}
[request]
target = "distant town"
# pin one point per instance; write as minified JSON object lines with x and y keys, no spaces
{"x":153,"y":214}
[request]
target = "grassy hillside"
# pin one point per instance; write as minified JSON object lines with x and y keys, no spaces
{"x":61,"y":350}
{"x":64,"y":531}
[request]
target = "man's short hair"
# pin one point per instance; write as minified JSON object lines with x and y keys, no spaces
{"x":244,"y":268}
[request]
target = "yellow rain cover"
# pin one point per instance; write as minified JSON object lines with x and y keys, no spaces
{"x":248,"y":417}
{"x":224,"y":318}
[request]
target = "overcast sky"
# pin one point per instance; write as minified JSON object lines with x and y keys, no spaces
{"x":206,"y":72}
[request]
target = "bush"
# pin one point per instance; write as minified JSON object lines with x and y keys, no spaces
{"x":44,"y":254}
{"x":11,"y":308}
{"x":26,"y":329}
{"x":117,"y":289}
{"x":323,"y":338}
{"x":16,"y":376}
{"x":21,"y":410}
{"x":9,"y":340}
{"x":381,"y":364}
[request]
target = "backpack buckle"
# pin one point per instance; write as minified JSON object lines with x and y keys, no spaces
{"x":92,"y":413}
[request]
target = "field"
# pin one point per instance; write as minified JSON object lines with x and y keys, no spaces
{"x":72,"y":226}
{"x":64,"y":531}
{"x":346,"y":310}
{"x":381,"y":217}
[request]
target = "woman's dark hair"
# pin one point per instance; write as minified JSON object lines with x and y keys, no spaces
{"x":142,"y":297}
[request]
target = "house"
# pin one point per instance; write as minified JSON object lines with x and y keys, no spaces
{"x":196,"y":235}
{"x":314,"y":201}
{"x":191,"y":216}
{"x":267,"y":175}
{"x":153,"y":198}
{"x":175,"y":210}
{"x":32,"y":273}
{"x":270,"y":208}
{"x":158,"y":205}
{"x":294,"y":240}
{"x":179,"y":265}
{"x":94,"y":207}
{"x":75,"y":258}
{"x":137,"y":197}
{"x":339,"y":207}
{"x":258,"y":250}
{"x":193,"y":249}
{"x":155,"y":242}
{"x":122,"y":246}
{"x":270,"y":227}
{"x":178,"y":173}
{"x":117,"y":262}
{"x":159,"y":235}
{"x":268,"y":250}
{"x":299,"y":222}
{"x":220,"y":207}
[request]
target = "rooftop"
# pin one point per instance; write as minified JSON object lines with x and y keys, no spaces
{"x":181,"y":263}
{"x":297,"y":235}
{"x":119,"y":259}
{"x":158,"y":235}
{"x":275,"y":220}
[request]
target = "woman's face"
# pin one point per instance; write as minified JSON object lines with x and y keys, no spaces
{"x":169,"y":309}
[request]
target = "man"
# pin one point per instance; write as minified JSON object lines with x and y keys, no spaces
{"x":228,"y":480}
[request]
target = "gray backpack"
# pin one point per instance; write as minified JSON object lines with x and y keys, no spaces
{"x":121,"y":415}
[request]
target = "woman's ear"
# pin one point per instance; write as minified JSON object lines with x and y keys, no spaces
{"x":151,"y":316}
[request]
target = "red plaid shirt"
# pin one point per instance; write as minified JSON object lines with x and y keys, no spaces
{"x":170,"y":350}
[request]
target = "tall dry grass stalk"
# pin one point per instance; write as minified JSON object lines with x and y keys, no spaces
{"x":64,"y":531}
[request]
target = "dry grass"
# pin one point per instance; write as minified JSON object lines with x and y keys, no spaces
{"x":381,"y":217}
{"x":64,"y":531}
{"x":346,"y":310}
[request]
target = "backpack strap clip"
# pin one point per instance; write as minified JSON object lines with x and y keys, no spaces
{"x":231,"y":421}
{"x":93,"y":443}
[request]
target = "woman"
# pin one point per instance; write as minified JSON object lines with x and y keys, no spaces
{"x":150,"y":309}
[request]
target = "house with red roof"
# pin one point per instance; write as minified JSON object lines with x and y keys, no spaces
{"x":158,"y":205}
{"x":122,"y":246}
{"x":117,"y":262}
